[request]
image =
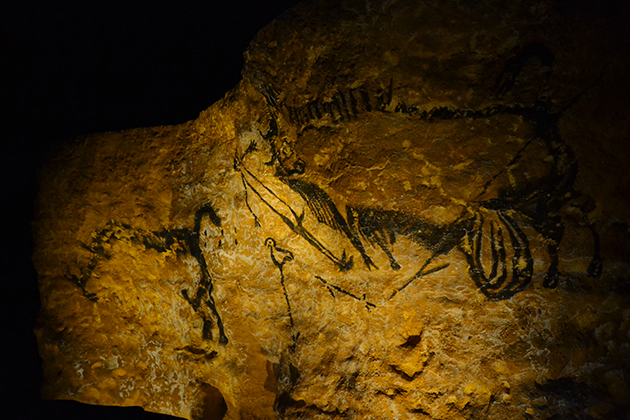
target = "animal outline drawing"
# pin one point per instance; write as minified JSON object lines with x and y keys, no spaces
{"x":538,"y":205}
{"x":180,"y":241}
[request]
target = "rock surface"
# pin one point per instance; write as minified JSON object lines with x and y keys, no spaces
{"x":404,"y":210}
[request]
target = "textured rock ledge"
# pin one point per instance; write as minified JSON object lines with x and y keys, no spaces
{"x":404,"y":210}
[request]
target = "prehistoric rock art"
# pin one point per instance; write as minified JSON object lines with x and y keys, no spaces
{"x":404,"y":210}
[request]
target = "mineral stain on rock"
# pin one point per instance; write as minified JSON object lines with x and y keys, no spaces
{"x":404,"y":210}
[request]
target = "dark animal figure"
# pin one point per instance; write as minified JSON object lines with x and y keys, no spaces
{"x":180,"y":241}
{"x":538,"y":204}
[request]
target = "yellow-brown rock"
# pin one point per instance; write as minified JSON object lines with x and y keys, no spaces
{"x":405,"y":210}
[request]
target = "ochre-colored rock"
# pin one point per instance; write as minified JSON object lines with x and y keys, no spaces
{"x":411,"y":209}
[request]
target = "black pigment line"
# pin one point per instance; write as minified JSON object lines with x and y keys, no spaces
{"x":421,"y":273}
{"x":256,"y":221}
{"x":343,"y":103}
{"x":286,"y":257}
{"x":330,"y":286}
{"x":353,"y":104}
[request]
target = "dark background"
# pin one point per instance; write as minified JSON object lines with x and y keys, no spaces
{"x":76,"y":67}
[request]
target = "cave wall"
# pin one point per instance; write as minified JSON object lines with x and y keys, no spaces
{"x":404,"y":210}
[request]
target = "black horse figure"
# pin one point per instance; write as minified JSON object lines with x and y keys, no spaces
{"x":181,"y":241}
{"x":538,"y":204}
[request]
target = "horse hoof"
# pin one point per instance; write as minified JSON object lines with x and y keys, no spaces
{"x":595,"y":269}
{"x":551,"y":280}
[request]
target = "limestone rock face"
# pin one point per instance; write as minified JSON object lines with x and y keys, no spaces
{"x":408,"y":209}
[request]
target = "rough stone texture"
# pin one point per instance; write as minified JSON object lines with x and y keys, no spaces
{"x":405,"y":210}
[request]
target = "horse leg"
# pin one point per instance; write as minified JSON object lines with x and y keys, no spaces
{"x":595,"y":268}
{"x":552,"y":231}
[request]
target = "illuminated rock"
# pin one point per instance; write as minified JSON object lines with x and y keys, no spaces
{"x":407,"y":210}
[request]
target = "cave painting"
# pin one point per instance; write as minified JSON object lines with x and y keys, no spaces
{"x":403,"y":210}
{"x":488,"y":229}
